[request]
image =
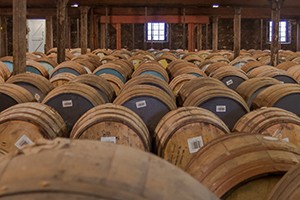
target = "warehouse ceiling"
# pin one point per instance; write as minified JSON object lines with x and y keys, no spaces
{"x":250,"y":8}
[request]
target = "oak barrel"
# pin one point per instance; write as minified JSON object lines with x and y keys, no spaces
{"x":62,"y":79}
{"x":36,"y":68}
{"x":114,"y":81}
{"x":69,"y":67}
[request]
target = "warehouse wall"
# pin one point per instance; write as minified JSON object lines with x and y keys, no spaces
{"x":250,"y":36}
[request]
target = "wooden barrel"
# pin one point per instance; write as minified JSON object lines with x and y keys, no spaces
{"x":62,"y":79}
{"x":178,"y":64}
{"x":250,"y":88}
{"x":100,"y":84}
{"x":114,"y":81}
{"x":285,"y":96}
{"x":197,"y":83}
{"x":224,"y":102}
{"x":88,"y":66}
{"x":270,"y":121}
{"x":48,"y":63}
{"x":166,"y":58}
{"x":11,"y":94}
{"x":25,"y":123}
{"x":36,"y":68}
{"x":243,"y":166}
{"x":205,"y":64}
{"x":37,"y":85}
{"x":68,"y":67}
{"x":295,"y":72}
{"x":8,"y":61}
{"x":189,"y":70}
{"x":194,"y":58}
{"x":1,"y":80}
{"x":239,"y":62}
{"x":72,"y":100}
{"x":249,"y":66}
{"x":114,"y":69}
{"x":92,"y":58}
{"x":90,"y":170}
{"x":125,"y":64}
{"x":177,"y":83}
{"x":113,"y":123}
{"x":288,"y":186}
{"x":232,"y":77}
{"x":215,"y":66}
{"x":280,"y":75}
{"x":286,"y":65}
{"x":183,"y":132}
{"x":153,"y":69}
{"x":149,"y":102}
{"x":152,"y":80}
{"x":4,"y":71}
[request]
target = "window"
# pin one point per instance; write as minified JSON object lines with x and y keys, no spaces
{"x":156,"y":32}
{"x":284,"y":32}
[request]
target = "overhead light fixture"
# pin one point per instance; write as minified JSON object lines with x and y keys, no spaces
{"x":215,"y":5}
{"x":75,"y":5}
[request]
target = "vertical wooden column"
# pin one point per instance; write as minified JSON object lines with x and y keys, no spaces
{"x":49,"y":33}
{"x":298,"y":35}
{"x":103,"y":36}
{"x":215,"y":33}
{"x":206,"y":36}
{"x":191,"y":37}
{"x":133,"y":37}
{"x":275,"y":39}
{"x":96,"y":31}
{"x":170,"y":36}
{"x":261,"y":33}
{"x":84,"y":10}
{"x":237,"y":32}
{"x":199,"y":37}
{"x":184,"y":30}
{"x":3,"y":37}
{"x":68,"y":32}
{"x":19,"y":36}
{"x":61,"y":29}
{"x":106,"y":43}
{"x":77,"y":33}
{"x":119,"y":38}
{"x":91,"y":30}
{"x":145,"y":29}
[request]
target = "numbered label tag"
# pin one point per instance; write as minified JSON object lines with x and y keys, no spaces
{"x":229,"y":82}
{"x":220,"y":108}
{"x":109,"y":139}
{"x":67,"y":103}
{"x":141,"y":104}
{"x":195,"y":144}
{"x":22,"y":141}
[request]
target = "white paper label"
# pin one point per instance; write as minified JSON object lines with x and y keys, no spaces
{"x":24,"y":140}
{"x":141,"y":104}
{"x":286,"y":139}
{"x":221,"y":108}
{"x":270,"y":138}
{"x":195,"y":144}
{"x":229,"y":82}
{"x":67,"y":103}
{"x":37,"y":97}
{"x":109,"y":139}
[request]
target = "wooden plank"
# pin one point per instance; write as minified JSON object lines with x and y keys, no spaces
{"x":298,"y":36}
{"x":199,"y":37}
{"x":96,"y":31}
{"x":19,"y":36}
{"x":3,"y":36}
{"x":61,"y":29}
{"x":215,"y":33}
{"x":191,"y":37}
{"x":91,"y":30}
{"x":174,"y":19}
{"x":133,"y":37}
{"x":84,"y":10}
{"x":103,"y":36}
{"x":261,"y":33}
{"x":237,"y":32}
{"x":170,"y":36}
{"x":77,"y":33}
{"x":206,"y":36}
{"x":68,"y":32}
{"x":49,"y":33}
{"x":119,"y":36}
{"x":275,"y":39}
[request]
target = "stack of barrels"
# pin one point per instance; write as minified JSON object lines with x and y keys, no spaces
{"x":231,"y":123}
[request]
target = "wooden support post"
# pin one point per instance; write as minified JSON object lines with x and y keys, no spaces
{"x":170,"y":36}
{"x":68,"y":32}
{"x":96,"y":31}
{"x":106,"y":29}
{"x":191,"y":38}
{"x":145,"y":29}
{"x":275,"y":39}
{"x":19,"y":36}
{"x":118,"y":39}
{"x":261,"y":33}
{"x":206,"y":36}
{"x":184,"y":30}
{"x":237,"y":32}
{"x":91,"y":30}
{"x":215,"y":33}
{"x":298,"y":36}
{"x":3,"y":37}
{"x":61,"y":29}
{"x":77,"y":33}
{"x":199,"y":37}
{"x":49,"y":33}
{"x":133,"y":37}
{"x":103,"y":36}
{"x":84,"y":10}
